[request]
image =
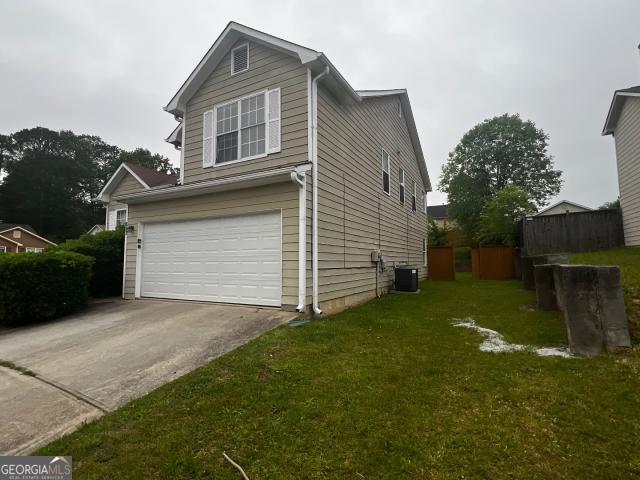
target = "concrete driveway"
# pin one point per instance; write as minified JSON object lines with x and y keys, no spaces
{"x":114,"y":351}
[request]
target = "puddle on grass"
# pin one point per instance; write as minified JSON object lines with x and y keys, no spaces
{"x":494,"y":342}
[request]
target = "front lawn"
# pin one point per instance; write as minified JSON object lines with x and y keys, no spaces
{"x":628,"y":259}
{"x":386,"y":390}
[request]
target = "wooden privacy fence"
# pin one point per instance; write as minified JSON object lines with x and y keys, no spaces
{"x":572,"y":232}
{"x":441,"y":263}
{"x":493,"y":262}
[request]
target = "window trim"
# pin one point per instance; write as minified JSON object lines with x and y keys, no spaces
{"x":266,"y":128}
{"x":402,"y":189}
{"x":33,"y":249}
{"x":388,"y":171}
{"x":233,"y":72}
{"x":126,"y":216}
{"x":424,"y":252}
{"x":414,"y":196}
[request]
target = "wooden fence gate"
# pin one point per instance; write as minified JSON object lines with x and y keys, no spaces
{"x":441,"y":263}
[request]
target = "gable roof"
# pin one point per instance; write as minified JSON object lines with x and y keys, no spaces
{"x":563,"y":202}
{"x":10,"y":240}
{"x":316,"y":61}
{"x":619,"y":97}
{"x":233,"y":32}
{"x":27,"y":232}
{"x":438,"y":211}
{"x":147,"y":177}
{"x":411,"y":124}
{"x":8,"y":226}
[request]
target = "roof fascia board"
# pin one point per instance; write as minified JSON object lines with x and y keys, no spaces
{"x":115,"y":179}
{"x":30,"y":233}
{"x":614,"y":111}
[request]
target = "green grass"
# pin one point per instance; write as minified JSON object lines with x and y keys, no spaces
{"x":386,"y":390}
{"x":628,"y":259}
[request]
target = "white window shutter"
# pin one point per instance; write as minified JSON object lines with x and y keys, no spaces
{"x":273,"y":129}
{"x":207,"y":139}
{"x":112,"y":220}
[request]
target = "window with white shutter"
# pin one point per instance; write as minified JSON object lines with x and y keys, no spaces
{"x":273,"y":97}
{"x":240,"y":59}
{"x":207,"y":139}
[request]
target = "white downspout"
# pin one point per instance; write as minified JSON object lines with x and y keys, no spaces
{"x":314,"y":164}
{"x":300,"y":179}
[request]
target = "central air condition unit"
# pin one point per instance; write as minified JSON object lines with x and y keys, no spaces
{"x":406,"y":278}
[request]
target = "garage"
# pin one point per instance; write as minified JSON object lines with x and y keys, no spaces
{"x":228,"y":259}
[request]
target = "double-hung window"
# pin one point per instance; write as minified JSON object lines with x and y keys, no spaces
{"x":401,"y":184}
{"x":240,"y":129}
{"x":386,"y":168}
{"x":243,"y":129}
{"x":121,"y":217}
{"x":414,"y":193}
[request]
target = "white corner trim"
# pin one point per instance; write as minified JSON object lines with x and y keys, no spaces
{"x":124,"y":262}
{"x":183,"y":145}
{"x":139,"y":247}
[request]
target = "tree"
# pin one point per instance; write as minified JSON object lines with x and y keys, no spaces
{"x":498,"y":152}
{"x":610,"y":205}
{"x":437,"y":235}
{"x":500,"y":216}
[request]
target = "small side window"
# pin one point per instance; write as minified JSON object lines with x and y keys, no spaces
{"x":414,"y":200}
{"x":121,"y":217}
{"x":240,"y":59}
{"x":3,"y":249}
{"x":401,"y":184}
{"x":386,"y":168}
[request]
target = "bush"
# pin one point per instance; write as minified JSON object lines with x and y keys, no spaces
{"x":107,"y":250}
{"x":40,"y":286}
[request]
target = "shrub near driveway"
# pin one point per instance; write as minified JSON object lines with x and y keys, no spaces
{"x":40,"y":286}
{"x":107,"y":250}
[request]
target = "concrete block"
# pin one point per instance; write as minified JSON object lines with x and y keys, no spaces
{"x":590,"y":298}
{"x":612,"y":309}
{"x":578,"y":302}
{"x":545,"y":287}
{"x":528,"y":264}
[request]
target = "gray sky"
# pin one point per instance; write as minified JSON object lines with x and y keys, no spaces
{"x":108,"y":67}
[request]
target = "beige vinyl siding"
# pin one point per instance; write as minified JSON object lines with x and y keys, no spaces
{"x":267,"y":69}
{"x":283,"y":196}
{"x":627,"y":140}
{"x":355,"y":215}
{"x":127,"y":185}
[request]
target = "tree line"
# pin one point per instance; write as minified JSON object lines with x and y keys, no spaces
{"x":48,"y":178}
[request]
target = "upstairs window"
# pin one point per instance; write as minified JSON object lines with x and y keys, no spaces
{"x":401,"y":184}
{"x":386,"y":168}
{"x":414,"y":194}
{"x":240,"y":129}
{"x":240,"y":59}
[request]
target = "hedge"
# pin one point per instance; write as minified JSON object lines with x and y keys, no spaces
{"x":107,"y":250}
{"x":40,"y":286}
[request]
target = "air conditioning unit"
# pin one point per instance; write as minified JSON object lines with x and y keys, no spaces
{"x":406,"y":278}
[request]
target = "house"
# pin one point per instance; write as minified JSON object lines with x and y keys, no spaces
{"x":564,"y":206}
{"x":16,"y":238}
{"x":623,"y":122}
{"x":295,"y":191}
{"x":440,"y":214}
{"x":129,"y":178}
{"x":96,"y":229}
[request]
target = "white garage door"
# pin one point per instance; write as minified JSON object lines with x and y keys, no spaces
{"x":231,"y":260}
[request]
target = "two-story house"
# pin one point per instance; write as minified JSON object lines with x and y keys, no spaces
{"x":623,"y":122}
{"x":295,"y":190}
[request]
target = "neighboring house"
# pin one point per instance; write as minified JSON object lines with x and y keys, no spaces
{"x":440,"y":215}
{"x":291,"y":182}
{"x":623,"y":122}
{"x":21,"y":238}
{"x":563,"y":206}
{"x":128,"y":178}
{"x":96,"y":229}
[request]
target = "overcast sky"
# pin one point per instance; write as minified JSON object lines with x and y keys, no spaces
{"x":108,"y":67}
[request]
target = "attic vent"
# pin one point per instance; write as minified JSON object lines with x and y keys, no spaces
{"x":240,"y":59}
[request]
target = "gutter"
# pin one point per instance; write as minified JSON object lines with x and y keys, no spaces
{"x":314,"y":166}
